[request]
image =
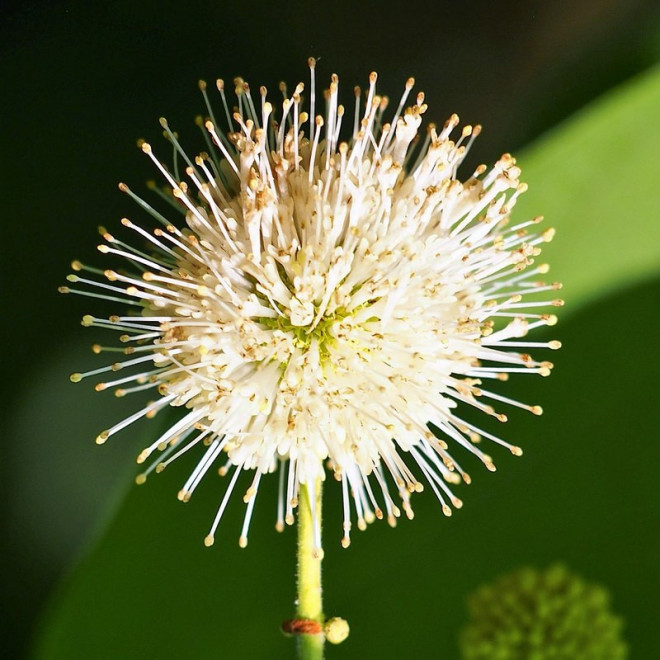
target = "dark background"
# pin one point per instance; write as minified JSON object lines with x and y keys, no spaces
{"x":81,"y":81}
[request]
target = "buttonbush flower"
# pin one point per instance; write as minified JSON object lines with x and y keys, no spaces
{"x":541,"y":615}
{"x":329,"y":295}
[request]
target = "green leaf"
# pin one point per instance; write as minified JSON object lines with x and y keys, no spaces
{"x":595,"y":179}
{"x":585,"y":492}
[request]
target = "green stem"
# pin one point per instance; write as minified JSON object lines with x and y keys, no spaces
{"x":310,"y":600}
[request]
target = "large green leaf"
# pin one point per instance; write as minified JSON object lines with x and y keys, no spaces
{"x":584,"y":493}
{"x":595,"y":179}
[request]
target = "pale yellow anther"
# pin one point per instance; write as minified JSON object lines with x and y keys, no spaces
{"x":143,"y":456}
{"x":102,"y":437}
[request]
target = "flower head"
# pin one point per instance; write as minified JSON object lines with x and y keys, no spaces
{"x":542,"y":615}
{"x":326,"y":302}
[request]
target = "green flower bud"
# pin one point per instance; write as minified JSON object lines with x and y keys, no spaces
{"x":542,"y":615}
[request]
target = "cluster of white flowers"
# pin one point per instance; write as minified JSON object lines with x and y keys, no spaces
{"x":326,"y":302}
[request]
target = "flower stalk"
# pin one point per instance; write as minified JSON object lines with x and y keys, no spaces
{"x":310,"y":555}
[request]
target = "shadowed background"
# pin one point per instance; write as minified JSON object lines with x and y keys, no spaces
{"x":80,"y":82}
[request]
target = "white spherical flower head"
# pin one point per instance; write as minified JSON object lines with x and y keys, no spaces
{"x":326,"y":302}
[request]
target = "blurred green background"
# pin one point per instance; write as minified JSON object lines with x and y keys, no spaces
{"x":81,"y":81}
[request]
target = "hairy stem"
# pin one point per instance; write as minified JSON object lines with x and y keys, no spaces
{"x":310,"y":555}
